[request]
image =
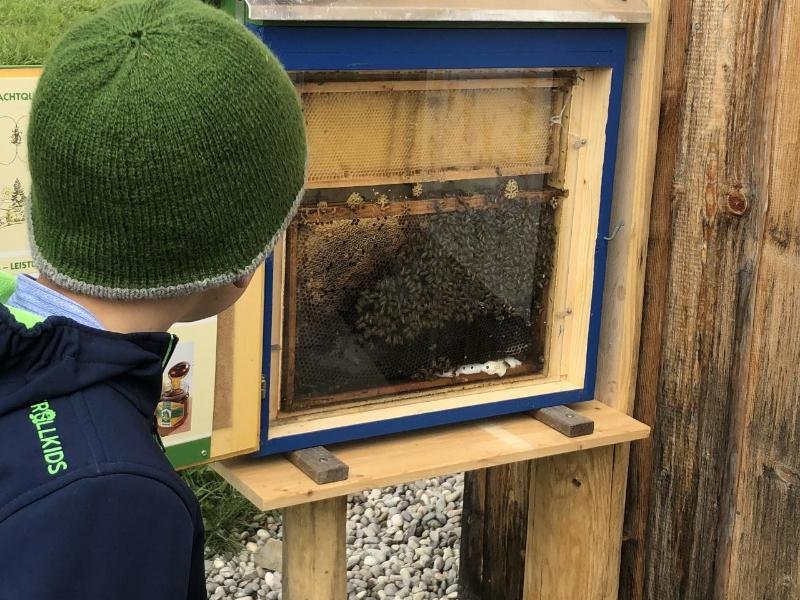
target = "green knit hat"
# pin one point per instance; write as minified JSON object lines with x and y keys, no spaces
{"x":167,"y":152}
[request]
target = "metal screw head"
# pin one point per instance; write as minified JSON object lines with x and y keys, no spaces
{"x":203,"y":452}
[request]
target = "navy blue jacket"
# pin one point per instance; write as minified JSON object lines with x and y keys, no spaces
{"x":90,"y":508}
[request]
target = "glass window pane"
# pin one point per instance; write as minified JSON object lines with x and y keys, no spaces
{"x":422,"y":255}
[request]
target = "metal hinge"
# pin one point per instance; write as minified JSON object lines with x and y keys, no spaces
{"x":263,"y":388}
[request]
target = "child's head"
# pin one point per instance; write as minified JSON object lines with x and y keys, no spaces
{"x":167,"y":153}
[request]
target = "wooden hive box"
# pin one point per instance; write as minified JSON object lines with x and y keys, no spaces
{"x":448,"y":258}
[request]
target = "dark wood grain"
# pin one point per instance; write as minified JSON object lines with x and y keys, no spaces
{"x":494,"y":532}
{"x":470,"y":573}
{"x":637,"y":498}
{"x":761,"y":527}
{"x":712,"y":509}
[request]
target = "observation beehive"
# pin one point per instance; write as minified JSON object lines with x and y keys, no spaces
{"x":423,"y":251}
{"x":445,"y":258}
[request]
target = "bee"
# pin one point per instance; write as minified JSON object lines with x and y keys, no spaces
{"x":355,"y":200}
{"x":511,"y":189}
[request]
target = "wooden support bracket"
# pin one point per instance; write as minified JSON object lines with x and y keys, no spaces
{"x":314,"y":550}
{"x":319,"y":464}
{"x":565,"y":420}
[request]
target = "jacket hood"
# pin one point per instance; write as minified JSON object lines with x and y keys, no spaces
{"x":44,"y":359}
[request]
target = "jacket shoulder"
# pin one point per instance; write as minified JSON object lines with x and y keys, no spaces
{"x":93,"y":431}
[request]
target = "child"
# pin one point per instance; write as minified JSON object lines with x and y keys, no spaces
{"x":167,"y":152}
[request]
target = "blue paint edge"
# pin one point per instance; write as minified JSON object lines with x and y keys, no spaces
{"x":324,"y":48}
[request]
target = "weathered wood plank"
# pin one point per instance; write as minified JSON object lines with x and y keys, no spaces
{"x":319,"y":464}
{"x":632,"y":568}
{"x":707,"y":341}
{"x":763,"y":561}
{"x":314,"y":561}
{"x":504,"y":540}
{"x":763,"y":523}
{"x":470,"y":573}
{"x":700,"y":335}
{"x":496,"y":506}
{"x":564,"y":420}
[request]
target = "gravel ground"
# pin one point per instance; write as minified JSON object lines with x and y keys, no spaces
{"x":402,"y":542}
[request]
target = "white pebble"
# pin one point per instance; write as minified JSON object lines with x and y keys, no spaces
{"x":397,"y":520}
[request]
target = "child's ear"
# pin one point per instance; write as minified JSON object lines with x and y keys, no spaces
{"x":243,"y":282}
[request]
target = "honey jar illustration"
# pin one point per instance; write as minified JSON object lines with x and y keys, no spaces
{"x":173,"y":407}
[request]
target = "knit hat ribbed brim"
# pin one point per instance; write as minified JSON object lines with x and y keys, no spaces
{"x":167,"y":152}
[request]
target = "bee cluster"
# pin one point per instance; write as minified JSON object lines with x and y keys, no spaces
{"x":402,"y":298}
{"x":465,"y":287}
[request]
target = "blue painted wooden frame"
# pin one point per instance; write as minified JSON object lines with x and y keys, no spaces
{"x":365,"y":48}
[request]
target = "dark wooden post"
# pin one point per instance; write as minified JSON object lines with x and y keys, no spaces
{"x":714,"y":504}
{"x":494,"y":526}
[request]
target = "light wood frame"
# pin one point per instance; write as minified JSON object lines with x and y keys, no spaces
{"x":237,"y":389}
{"x":583,"y":143}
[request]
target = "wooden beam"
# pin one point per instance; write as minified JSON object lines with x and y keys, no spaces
{"x":314,"y":545}
{"x":508,"y":11}
{"x":337,"y":211}
{"x":564,"y":420}
{"x":568,"y":539}
{"x":319,"y":464}
{"x":438,"y":174}
{"x":429,"y":85}
{"x":283,"y":388}
{"x":633,"y":187}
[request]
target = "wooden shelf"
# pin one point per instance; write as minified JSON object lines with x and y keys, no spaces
{"x":274,"y":482}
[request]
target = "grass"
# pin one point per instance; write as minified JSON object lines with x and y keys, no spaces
{"x":225,"y":511}
{"x":31,"y":27}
